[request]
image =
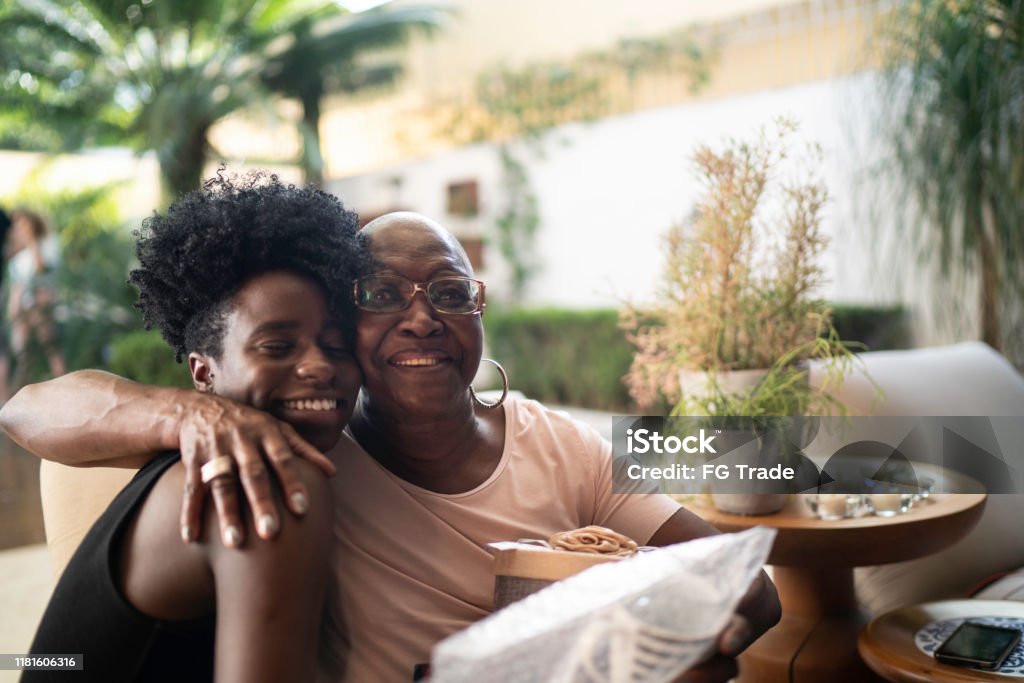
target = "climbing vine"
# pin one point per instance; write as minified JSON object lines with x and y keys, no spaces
{"x":517,"y":224}
{"x":529,"y":100}
{"x":524,"y":103}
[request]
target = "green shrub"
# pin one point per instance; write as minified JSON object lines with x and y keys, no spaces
{"x":878,"y":327}
{"x":145,"y":357}
{"x":562,"y":356}
{"x":578,"y":358}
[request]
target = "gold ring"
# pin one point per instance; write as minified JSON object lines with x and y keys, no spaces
{"x":217,"y":467}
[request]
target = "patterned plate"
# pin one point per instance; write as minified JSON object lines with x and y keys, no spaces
{"x":934,"y":634}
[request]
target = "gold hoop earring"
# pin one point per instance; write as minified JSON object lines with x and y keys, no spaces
{"x":504,"y":387}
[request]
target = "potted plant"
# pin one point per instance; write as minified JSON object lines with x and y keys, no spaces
{"x":738,"y":317}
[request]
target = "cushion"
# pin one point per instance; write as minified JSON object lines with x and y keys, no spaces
{"x":970,"y":378}
{"x":1007,"y":587}
{"x":962,"y":379}
{"x":73,"y":498}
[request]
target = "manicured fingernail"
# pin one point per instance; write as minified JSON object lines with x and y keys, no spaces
{"x":186,"y":533}
{"x":232,"y":537}
{"x":299,"y":502}
{"x":266,"y":525}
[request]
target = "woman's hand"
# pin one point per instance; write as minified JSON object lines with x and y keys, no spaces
{"x":718,"y":669}
{"x":758,"y":611}
{"x":210,"y":427}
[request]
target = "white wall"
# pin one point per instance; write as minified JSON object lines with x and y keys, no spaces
{"x":610,"y":189}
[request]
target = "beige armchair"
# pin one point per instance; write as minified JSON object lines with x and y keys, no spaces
{"x":963,"y":379}
{"x":73,"y":497}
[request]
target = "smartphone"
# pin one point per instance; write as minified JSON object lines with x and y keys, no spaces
{"x":978,"y":645}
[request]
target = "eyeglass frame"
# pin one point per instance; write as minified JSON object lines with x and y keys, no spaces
{"x":421,"y":287}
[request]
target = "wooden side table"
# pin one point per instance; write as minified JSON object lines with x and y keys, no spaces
{"x":887,"y":643}
{"x":813,"y":563}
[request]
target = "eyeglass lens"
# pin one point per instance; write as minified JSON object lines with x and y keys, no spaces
{"x":390,"y":293}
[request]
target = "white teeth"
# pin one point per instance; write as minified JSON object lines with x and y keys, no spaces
{"x":418,"y":362}
{"x":312,"y":404}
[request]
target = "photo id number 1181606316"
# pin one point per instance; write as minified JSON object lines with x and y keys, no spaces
{"x":19,"y":662}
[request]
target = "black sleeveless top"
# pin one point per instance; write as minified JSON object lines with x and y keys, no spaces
{"x":88,"y":615}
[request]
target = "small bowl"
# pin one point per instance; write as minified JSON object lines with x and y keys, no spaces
{"x":833,"y":506}
{"x":924,"y":489}
{"x":890,"y":503}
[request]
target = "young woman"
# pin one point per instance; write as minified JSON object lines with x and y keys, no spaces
{"x":248,"y":279}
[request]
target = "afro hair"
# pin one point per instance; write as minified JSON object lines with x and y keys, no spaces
{"x":211,"y":241}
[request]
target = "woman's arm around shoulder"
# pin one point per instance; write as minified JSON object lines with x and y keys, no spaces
{"x":94,"y":418}
{"x":90,"y":417}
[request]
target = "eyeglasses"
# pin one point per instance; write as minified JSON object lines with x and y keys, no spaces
{"x":392,"y":293}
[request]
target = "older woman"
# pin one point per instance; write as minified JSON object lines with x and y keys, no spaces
{"x":431,"y":474}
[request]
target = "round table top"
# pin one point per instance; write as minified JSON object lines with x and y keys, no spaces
{"x":887,"y":642}
{"x":805,"y":540}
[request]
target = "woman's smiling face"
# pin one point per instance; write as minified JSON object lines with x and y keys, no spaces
{"x":417,"y":362}
{"x":284,"y":352}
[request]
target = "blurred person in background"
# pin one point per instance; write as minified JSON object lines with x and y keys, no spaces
{"x":5,"y":225}
{"x":32,"y":282}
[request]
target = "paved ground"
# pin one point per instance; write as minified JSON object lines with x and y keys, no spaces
{"x":26,"y":580}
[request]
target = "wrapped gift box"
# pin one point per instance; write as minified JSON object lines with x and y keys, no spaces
{"x":521,"y":569}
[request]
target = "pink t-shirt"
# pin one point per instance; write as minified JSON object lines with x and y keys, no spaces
{"x":412,"y":565}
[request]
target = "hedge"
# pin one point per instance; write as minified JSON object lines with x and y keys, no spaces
{"x":145,"y":357}
{"x":578,"y":358}
{"x":562,"y":356}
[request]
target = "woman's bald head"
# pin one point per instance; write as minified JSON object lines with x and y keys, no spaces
{"x":406,"y":234}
